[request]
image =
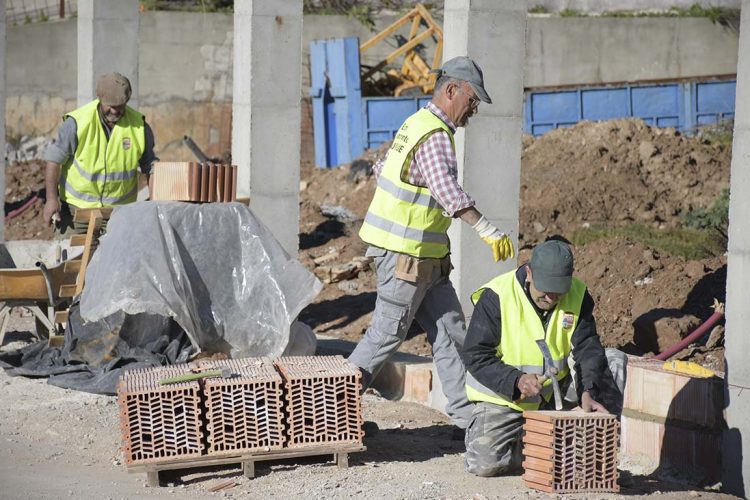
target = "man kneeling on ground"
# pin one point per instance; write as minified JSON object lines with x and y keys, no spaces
{"x":539,"y":300}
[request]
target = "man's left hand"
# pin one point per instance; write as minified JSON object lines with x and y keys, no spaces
{"x":589,"y":404}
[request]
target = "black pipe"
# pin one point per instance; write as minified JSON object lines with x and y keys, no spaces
{"x":195,"y":149}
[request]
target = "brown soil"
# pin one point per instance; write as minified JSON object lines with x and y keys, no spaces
{"x":616,"y":172}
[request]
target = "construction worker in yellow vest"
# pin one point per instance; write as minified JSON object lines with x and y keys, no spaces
{"x":506,"y":367}
{"x":416,"y":199}
{"x":94,"y":161}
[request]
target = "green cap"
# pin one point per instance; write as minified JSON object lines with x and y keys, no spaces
{"x":552,"y":267}
{"x":463,"y":68}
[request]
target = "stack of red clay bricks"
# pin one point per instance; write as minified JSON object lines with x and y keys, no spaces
{"x":191,"y":181}
{"x":674,"y":419}
{"x":570,"y":451}
{"x":259,"y":406}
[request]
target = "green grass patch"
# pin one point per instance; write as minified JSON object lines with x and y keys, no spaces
{"x":538,"y":9}
{"x":691,"y":244}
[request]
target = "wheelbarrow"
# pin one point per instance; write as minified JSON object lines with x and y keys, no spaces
{"x":32,"y":289}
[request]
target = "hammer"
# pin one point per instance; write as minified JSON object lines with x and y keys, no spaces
{"x":550,"y":371}
{"x":222,"y":372}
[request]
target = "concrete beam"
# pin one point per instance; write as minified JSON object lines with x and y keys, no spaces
{"x":489,"y":150}
{"x":266,"y":112}
{"x":736,"y":460}
{"x":107,"y":41}
{"x":2,"y":118}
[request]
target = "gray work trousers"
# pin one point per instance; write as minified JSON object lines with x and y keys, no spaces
{"x":493,"y":439}
{"x":430,"y":299}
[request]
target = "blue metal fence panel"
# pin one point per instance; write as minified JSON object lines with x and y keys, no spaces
{"x":713,"y":101}
{"x":679,"y":105}
{"x":337,"y":101}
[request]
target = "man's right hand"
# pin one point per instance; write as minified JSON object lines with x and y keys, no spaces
{"x":530,"y":385}
{"x":499,"y":242}
{"x":51,"y":213}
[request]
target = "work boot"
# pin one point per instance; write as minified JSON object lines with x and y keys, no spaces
{"x":370,"y":428}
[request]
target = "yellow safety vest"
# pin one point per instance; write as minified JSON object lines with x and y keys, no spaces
{"x":103,"y":172}
{"x":403,"y":217}
{"x":520,"y":327}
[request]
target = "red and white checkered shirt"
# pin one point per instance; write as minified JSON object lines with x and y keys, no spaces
{"x":434,"y":167}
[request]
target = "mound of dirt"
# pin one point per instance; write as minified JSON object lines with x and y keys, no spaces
{"x":22,"y":181}
{"x":619,"y":171}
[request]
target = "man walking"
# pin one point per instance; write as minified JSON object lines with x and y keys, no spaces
{"x":416,"y":199}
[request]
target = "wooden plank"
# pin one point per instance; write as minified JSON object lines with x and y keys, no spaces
{"x":78,"y":240}
{"x":84,"y":214}
{"x":73,"y":266}
{"x":67,"y":291}
{"x":387,"y":31}
{"x":209,"y":460}
{"x":61,"y":317}
{"x":95,"y":220}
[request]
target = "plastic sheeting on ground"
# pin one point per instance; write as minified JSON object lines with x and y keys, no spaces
{"x":95,"y":354}
{"x":214,"y":268}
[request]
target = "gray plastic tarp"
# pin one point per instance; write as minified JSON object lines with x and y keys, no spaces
{"x":214,"y":268}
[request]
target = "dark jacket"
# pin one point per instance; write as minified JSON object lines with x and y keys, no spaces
{"x":483,"y":337}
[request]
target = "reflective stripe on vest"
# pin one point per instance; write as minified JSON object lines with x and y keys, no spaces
{"x":403,"y":217}
{"x":103,"y":172}
{"x":517,"y":315}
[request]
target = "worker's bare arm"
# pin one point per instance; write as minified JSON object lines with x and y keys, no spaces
{"x":469,"y":215}
{"x":52,"y":201}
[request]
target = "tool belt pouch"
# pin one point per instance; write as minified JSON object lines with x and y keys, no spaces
{"x":413,"y":269}
{"x":446,"y":266}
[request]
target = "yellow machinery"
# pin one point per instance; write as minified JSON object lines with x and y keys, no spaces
{"x":414,"y":72}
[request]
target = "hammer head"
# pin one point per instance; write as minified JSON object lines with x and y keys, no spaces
{"x":550,"y":370}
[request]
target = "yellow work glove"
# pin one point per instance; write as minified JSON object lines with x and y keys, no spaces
{"x":502,"y":246}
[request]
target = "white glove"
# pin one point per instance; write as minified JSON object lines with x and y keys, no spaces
{"x":502,"y":247}
{"x":486,"y":230}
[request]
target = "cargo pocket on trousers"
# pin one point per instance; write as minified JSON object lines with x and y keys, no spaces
{"x":389,"y":321}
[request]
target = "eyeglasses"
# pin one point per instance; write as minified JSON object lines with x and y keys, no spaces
{"x":473,"y":100}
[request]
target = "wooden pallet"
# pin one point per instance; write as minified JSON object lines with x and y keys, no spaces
{"x":247,"y":460}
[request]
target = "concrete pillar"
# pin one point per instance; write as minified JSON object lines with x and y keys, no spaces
{"x":736,"y":449}
{"x":266,"y":112}
{"x":107,"y":41}
{"x":2,"y":118}
{"x":489,"y":150}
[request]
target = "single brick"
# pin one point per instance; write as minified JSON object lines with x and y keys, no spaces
{"x":323,"y":403}
{"x":244,"y":411}
{"x":159,"y":422}
{"x":570,"y":452}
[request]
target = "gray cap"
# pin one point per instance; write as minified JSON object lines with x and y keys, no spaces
{"x":552,"y":267}
{"x":463,"y":68}
{"x":113,"y":89}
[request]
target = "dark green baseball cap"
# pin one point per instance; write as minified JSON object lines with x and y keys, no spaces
{"x":552,"y":267}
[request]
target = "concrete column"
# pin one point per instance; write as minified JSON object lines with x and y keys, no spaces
{"x":2,"y":118}
{"x":736,"y":449}
{"x":107,"y":41}
{"x":489,"y":150}
{"x":266,"y":112}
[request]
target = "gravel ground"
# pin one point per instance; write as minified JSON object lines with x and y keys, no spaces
{"x":59,"y":443}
